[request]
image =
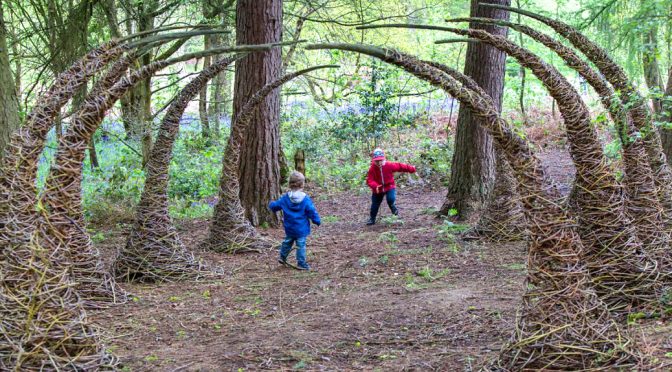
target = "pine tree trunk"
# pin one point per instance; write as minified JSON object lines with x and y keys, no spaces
{"x":9,"y":104}
{"x":136,"y":105}
{"x":93,"y":155}
{"x":651,"y":68}
{"x":666,"y":132}
{"x":220,"y":89}
{"x":473,"y":166}
{"x":258,"y":22}
{"x":203,"y":94}
{"x":300,"y":161}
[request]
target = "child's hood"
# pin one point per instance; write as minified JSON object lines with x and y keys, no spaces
{"x":296,"y":197}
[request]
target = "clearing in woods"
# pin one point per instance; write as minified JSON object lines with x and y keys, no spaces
{"x":386,"y":297}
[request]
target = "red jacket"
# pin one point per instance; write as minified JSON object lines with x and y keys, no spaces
{"x":384,"y":176}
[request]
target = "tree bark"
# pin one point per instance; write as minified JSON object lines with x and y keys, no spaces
{"x":473,"y":166}
{"x":203,"y":94}
{"x":258,"y":22}
{"x":9,"y":104}
{"x":136,"y":105}
{"x":651,"y":69}
{"x":220,"y":92}
{"x":666,"y":117}
{"x":300,"y":161}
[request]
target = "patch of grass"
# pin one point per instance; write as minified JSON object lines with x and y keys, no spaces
{"x":363,"y":261}
{"x":450,"y":228}
{"x":401,"y":252}
{"x":388,"y":237}
{"x":253,"y":312}
{"x":331,"y":219}
{"x":517,"y":266}
{"x":384,"y":259}
{"x":391,"y":220}
{"x":98,"y":237}
{"x":151,"y":358}
{"x":300,"y":365}
{"x":411,"y":283}
{"x":429,"y":210}
{"x":429,"y":275}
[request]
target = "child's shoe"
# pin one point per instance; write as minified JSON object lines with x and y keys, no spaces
{"x":370,"y":222}
{"x":306,"y":268}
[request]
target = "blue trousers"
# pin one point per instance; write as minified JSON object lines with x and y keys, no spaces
{"x":377,"y":200}
{"x":286,"y":247}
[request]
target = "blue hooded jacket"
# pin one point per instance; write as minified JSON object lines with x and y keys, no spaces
{"x":298,"y":211}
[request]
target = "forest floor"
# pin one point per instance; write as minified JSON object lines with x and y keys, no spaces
{"x":404,"y":294}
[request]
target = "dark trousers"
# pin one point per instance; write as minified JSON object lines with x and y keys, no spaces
{"x":377,"y":200}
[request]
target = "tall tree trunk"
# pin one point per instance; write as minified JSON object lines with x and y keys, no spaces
{"x":666,"y":132}
{"x":220,"y":92}
{"x":93,"y":155}
{"x":651,"y":69}
{"x":136,"y":105}
{"x":521,"y":97}
{"x":473,"y":166}
{"x":9,"y":104}
{"x":258,"y":22}
{"x":203,"y":94}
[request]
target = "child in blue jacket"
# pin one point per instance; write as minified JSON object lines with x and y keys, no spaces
{"x":298,"y":211}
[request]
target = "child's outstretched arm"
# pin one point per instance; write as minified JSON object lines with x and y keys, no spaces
{"x":403,"y":168}
{"x":275,"y":206}
{"x":311,"y":211}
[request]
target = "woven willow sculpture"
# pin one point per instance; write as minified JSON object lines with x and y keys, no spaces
{"x":19,"y":165}
{"x":641,"y":201}
{"x":562,"y":322}
{"x":63,"y":228}
{"x":230,"y":231}
{"x":638,"y":108}
{"x":623,"y":275}
{"x":42,"y":321}
{"x":62,"y":195}
{"x":153,"y":251}
{"x":503,"y":218}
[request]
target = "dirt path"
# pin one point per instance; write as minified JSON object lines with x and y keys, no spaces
{"x":389,"y":297}
{"x":400,"y":295}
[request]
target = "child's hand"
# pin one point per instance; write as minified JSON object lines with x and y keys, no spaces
{"x":379,"y":189}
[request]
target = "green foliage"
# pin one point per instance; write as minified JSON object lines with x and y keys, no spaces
{"x":429,"y":275}
{"x":110,"y":192}
{"x":330,"y":219}
{"x":391,"y":220}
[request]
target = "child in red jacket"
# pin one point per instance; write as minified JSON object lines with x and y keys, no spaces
{"x":381,"y":181}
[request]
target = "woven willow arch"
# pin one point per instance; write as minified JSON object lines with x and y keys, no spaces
{"x":562,"y":322}
{"x":230,"y":231}
{"x":638,"y":109}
